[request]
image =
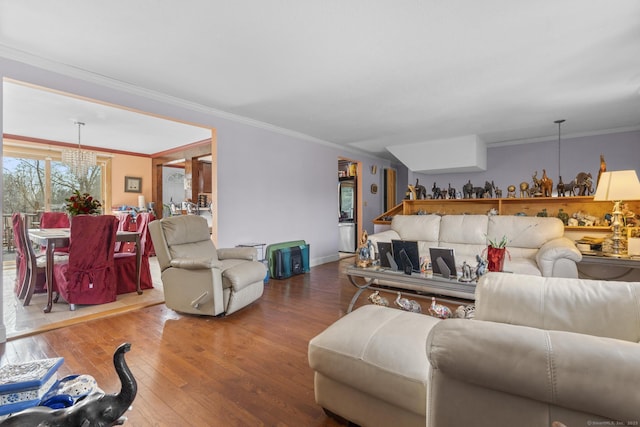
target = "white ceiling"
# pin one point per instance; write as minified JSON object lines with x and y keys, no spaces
{"x":52,"y":116}
{"x":366,"y":74}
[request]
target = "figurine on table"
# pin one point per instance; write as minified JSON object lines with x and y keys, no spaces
{"x":365,"y":250}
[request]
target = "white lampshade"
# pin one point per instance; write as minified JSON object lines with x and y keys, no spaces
{"x":618,"y":185}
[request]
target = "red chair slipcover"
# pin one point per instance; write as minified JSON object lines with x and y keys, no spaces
{"x":89,"y":275}
{"x":125,"y":261}
{"x":30,"y":268}
{"x":55,"y":220}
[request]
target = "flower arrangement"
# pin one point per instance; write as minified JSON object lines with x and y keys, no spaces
{"x":79,"y":204}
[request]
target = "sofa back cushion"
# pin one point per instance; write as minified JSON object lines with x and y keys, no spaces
{"x":465,"y":234}
{"x":594,"y":307}
{"x":524,"y":232}
{"x":417,"y":227}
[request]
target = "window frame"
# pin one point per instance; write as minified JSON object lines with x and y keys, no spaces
{"x":49,"y":153}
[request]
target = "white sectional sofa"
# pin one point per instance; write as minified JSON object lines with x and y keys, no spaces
{"x":539,"y":350}
{"x":536,"y":245}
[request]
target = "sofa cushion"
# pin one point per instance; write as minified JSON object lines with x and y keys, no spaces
{"x":524,"y":232}
{"x":593,"y":307}
{"x":417,"y":227}
{"x":466,"y":229}
{"x":380,"y":351}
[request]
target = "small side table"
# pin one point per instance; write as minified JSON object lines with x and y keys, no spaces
{"x":258,"y":246}
{"x":598,"y":259}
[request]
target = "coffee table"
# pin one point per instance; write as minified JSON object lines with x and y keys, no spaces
{"x":376,"y":278}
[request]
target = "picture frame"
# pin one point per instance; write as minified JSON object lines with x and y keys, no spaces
{"x":132,"y":184}
{"x":633,"y":232}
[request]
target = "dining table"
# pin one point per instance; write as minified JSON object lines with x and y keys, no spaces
{"x":52,"y":238}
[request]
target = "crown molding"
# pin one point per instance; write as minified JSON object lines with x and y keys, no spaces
{"x":564,"y":136}
{"x":101,"y":80}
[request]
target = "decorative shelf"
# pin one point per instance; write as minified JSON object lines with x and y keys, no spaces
{"x":530,"y":206}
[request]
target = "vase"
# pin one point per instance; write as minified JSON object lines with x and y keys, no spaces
{"x":495,"y":258}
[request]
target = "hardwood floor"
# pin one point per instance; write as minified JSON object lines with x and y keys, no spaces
{"x":247,"y":369}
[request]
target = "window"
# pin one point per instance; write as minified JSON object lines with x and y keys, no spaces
{"x":36,"y":180}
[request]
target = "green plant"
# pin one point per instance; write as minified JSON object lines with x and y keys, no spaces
{"x":79,"y":204}
{"x":502,"y":243}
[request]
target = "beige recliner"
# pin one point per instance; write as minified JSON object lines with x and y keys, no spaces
{"x":198,"y":278}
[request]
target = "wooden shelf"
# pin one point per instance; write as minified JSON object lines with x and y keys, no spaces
{"x":529,"y":206}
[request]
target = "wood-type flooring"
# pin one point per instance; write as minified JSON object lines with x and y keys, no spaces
{"x":247,"y":369}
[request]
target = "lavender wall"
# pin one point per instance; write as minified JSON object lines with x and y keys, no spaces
{"x":274,"y":187}
{"x":271,"y":187}
{"x":514,"y":164}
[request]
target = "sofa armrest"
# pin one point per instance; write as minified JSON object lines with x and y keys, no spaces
{"x":194,"y":263}
{"x":554,"y":250}
{"x":585,"y":373}
{"x":250,"y":254}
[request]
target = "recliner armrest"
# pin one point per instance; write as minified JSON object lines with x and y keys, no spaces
{"x":553,"y":250}
{"x":583,"y":372}
{"x":250,"y":254}
{"x":194,"y":263}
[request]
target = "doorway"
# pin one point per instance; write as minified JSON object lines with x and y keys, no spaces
{"x":349,"y":205}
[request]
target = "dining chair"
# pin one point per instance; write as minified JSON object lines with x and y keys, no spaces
{"x":125,"y":258}
{"x":55,"y":220}
{"x":88,"y":277}
{"x":36,"y":281}
{"x":17,"y":224}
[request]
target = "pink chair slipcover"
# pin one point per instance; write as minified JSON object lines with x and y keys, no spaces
{"x":89,"y":275}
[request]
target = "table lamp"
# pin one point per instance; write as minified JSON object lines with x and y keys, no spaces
{"x":617,"y":186}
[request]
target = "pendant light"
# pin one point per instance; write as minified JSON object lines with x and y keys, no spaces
{"x":78,"y":160}
{"x":559,"y":122}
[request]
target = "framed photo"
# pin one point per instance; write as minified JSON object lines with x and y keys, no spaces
{"x":132,"y":185}
{"x":633,"y":232}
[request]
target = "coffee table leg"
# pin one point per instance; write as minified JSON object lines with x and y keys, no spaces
{"x":361,"y":288}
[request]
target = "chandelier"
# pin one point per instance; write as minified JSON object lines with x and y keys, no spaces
{"x":78,"y":160}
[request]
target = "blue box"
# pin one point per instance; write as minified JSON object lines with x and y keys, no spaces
{"x":22,"y":385}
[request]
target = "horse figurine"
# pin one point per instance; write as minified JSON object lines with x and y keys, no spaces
{"x":560,"y":187}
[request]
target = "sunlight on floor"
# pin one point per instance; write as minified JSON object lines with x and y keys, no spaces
{"x":22,"y":321}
